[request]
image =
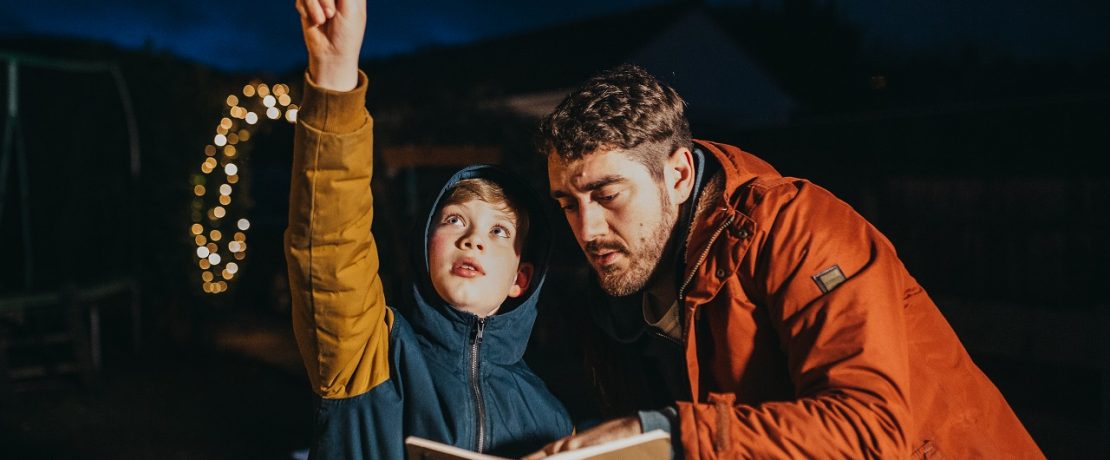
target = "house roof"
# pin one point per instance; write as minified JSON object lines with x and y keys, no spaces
{"x":557,"y":57}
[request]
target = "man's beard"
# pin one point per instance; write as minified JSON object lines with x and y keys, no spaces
{"x":643,"y":262}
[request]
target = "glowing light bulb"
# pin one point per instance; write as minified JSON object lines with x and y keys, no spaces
{"x":198,"y":190}
{"x":243,"y":224}
{"x":232,"y":100}
{"x":273,"y":112}
{"x":248,"y":91}
{"x":220,"y":140}
{"x":284,"y":100}
{"x":225,"y":189}
{"x":225,"y":200}
{"x":197,"y":229}
{"x":206,"y":276}
{"x":214,"y":259}
{"x":202,"y":252}
{"x":219,"y":212}
{"x":252,"y":118}
{"x":269,"y":101}
{"x":230,"y":169}
{"x":232,"y":267}
{"x":291,"y":115}
{"x":216,"y":235}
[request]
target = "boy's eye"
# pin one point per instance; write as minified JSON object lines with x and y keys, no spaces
{"x":568,"y":207}
{"x":606,"y":198}
{"x":453,"y":219}
{"x":500,"y":232}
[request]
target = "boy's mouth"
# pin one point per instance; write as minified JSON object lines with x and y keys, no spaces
{"x":467,"y":268}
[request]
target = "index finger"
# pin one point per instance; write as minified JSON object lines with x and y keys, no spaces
{"x":312,"y":14}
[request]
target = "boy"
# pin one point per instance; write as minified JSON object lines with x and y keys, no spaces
{"x":453,"y":374}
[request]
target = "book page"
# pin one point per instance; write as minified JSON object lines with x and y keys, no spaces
{"x":647,"y":446}
{"x":653,"y":445}
{"x":423,"y":449}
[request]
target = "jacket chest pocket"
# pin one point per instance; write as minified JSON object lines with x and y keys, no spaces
{"x":721,"y":255}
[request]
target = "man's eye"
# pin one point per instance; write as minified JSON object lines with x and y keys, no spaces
{"x":567,"y":207}
{"x":606,"y":198}
{"x":500,"y":232}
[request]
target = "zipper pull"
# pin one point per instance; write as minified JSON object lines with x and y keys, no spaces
{"x":481,"y":330}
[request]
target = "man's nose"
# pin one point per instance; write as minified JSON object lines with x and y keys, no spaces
{"x":591,"y":223}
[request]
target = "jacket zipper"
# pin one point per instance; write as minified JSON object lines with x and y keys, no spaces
{"x":476,"y":386}
{"x":701,"y":260}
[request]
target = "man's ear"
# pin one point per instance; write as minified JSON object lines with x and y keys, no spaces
{"x":522,"y":280}
{"x":679,"y":174}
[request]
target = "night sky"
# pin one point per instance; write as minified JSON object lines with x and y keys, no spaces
{"x":264,"y":34}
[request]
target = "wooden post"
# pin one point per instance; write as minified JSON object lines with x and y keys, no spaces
{"x":1105,"y":319}
{"x":136,"y":316}
{"x":5,"y":372}
{"x":79,"y":336}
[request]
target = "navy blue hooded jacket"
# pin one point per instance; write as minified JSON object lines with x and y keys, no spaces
{"x":444,"y":374}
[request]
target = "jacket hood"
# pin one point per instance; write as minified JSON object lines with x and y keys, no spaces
{"x":505,"y":334}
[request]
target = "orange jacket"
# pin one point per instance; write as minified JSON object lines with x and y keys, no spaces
{"x":807,"y":338}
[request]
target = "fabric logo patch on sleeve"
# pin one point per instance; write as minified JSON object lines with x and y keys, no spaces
{"x":829,"y":278}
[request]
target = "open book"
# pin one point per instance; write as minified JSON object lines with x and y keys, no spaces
{"x":651,"y":445}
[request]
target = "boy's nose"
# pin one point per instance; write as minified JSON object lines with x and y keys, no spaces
{"x":471,"y":241}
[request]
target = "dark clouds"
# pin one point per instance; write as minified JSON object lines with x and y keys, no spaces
{"x":264,"y":34}
{"x":1021,"y":28}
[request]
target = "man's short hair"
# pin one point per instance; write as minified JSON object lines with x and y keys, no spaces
{"x":493,"y":193}
{"x":621,"y":108}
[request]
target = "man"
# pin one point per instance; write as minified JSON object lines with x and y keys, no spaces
{"x":778,"y":322}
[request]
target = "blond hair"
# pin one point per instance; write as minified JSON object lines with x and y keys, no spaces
{"x":493,"y":193}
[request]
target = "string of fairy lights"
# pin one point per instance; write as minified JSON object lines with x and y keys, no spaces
{"x":220,"y":237}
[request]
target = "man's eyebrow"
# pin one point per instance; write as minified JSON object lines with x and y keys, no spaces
{"x":602,"y":182}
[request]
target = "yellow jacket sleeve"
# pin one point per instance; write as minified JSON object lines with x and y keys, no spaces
{"x":339,"y":313}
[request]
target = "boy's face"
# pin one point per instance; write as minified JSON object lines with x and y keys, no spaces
{"x":474,"y":257}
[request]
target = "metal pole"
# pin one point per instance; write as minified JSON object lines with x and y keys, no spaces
{"x":134,"y":215}
{"x":13,"y":140}
{"x":9,"y":126}
{"x":24,"y":206}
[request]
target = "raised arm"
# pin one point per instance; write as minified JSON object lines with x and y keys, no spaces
{"x":339,"y":314}
{"x":333,"y":35}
